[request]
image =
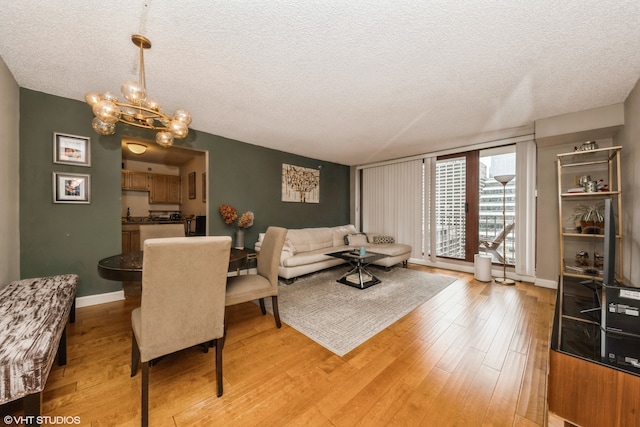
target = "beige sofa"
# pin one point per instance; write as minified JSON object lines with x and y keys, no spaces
{"x":305,"y":250}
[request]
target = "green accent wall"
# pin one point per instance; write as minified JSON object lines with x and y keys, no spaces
{"x":71,"y":238}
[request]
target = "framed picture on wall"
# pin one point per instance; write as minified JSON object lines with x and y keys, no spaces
{"x":300,"y":184}
{"x":192,"y":185}
{"x":204,"y":187}
{"x":71,"y":150}
{"x":71,"y":188}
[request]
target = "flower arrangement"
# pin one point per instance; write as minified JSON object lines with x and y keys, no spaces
{"x":246,"y":220}
{"x":230,"y":215}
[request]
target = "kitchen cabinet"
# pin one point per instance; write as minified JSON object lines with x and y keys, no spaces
{"x":174,"y":190}
{"x":135,"y":180}
{"x":130,"y":238}
{"x":165,"y":189}
{"x":161,"y":188}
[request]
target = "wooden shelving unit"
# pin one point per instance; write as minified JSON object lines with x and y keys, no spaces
{"x":601,"y":164}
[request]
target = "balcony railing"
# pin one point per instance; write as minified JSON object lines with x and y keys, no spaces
{"x":451,"y":239}
{"x":490,"y":228}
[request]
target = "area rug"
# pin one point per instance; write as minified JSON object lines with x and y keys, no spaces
{"x":341,"y":317}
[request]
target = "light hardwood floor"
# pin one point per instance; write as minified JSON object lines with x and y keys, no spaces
{"x":474,"y":355}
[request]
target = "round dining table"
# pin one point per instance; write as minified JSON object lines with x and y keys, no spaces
{"x":128,"y":267}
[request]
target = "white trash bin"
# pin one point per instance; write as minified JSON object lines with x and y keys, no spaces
{"x":482,"y":267}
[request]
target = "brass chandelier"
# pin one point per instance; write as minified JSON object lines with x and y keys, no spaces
{"x":139,"y":111}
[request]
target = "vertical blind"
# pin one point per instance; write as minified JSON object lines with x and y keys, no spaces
{"x":526,"y":165}
{"x":392,"y":202}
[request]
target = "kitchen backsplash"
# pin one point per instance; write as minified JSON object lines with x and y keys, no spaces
{"x":138,"y":204}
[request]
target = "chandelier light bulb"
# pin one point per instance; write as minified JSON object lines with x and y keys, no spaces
{"x":152,"y":104}
{"x":133,"y":92}
{"x":164,"y":139}
{"x":178,"y":129}
{"x":92,"y":98}
{"x":127,"y":113}
{"x":103,"y":128}
{"x":183,"y":115}
{"x":109,"y":96}
{"x":106,"y":111}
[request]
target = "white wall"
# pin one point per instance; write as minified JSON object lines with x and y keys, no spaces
{"x":629,"y":139}
{"x":9,"y":177}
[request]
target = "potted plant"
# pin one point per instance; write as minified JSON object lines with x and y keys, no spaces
{"x":589,"y":219}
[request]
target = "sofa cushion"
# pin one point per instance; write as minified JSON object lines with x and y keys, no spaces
{"x":356,"y":239}
{"x":340,"y":231}
{"x":287,"y":247}
{"x":391,"y":249}
{"x":309,"y":239}
{"x":286,"y":253}
{"x":309,"y":257}
{"x":383,"y":239}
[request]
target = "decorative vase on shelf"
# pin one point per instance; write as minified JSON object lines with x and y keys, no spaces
{"x":239,"y":239}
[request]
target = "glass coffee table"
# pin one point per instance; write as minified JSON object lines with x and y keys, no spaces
{"x":358,"y":277}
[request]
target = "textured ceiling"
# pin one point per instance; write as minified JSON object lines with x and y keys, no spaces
{"x":350,"y":82}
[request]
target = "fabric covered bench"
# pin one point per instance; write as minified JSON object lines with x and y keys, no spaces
{"x":33,"y":320}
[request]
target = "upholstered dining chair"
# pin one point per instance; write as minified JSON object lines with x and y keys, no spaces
{"x":253,"y":287}
{"x":154,"y":231}
{"x":182,"y":302}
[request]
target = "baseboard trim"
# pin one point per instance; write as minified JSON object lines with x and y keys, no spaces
{"x":466,"y":267}
{"x":99,"y":299}
{"x":545,"y":283}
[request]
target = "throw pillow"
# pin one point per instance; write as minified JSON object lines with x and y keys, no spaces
{"x":383,"y":239}
{"x":357,"y":239}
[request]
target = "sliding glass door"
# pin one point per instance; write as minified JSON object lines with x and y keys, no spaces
{"x":456,"y":206}
{"x":497,"y":229}
{"x":469,"y":205}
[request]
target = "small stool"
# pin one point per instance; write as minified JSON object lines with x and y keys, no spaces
{"x":482,"y":267}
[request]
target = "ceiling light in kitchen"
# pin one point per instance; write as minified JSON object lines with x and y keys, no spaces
{"x":136,"y":148}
